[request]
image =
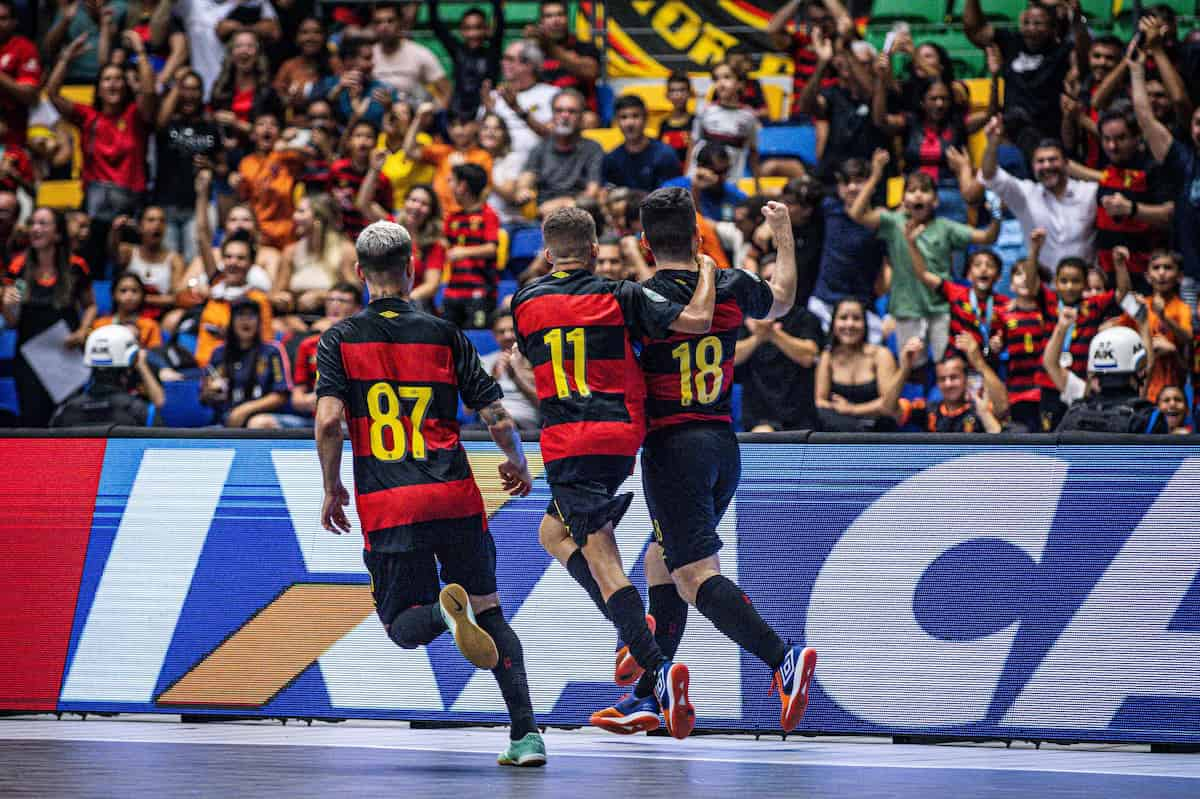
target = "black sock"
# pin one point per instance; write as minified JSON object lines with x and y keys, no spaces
{"x":629,"y":616}
{"x":731,"y":611}
{"x":416,"y":626}
{"x":510,"y":672}
{"x":670,"y":618}
{"x":578,"y":567}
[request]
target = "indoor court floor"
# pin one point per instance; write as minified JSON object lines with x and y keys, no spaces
{"x":141,"y":756}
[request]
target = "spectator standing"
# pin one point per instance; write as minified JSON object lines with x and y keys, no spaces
{"x":20,"y":76}
{"x":639,"y":162}
{"x":514,"y":373}
{"x":724,"y":121}
{"x":569,"y":63}
{"x":208,"y":23}
{"x":246,"y":376}
{"x":1169,"y":320}
{"x":1022,"y":338}
{"x":45,"y":285}
{"x":319,"y":258}
{"x":919,"y":312}
{"x":297,"y":77}
{"x":851,"y":255}
{"x":830,"y":18}
{"x":242,"y":88}
{"x":139,"y":249}
{"x":86,"y":19}
{"x":474,"y":56}
{"x":410,"y":68}
{"x":347,"y":175}
{"x":1181,"y":159}
{"x":565,"y":165}
{"x":186,"y":136}
{"x":975,"y":308}
{"x":357,"y":93}
{"x":463,"y":149}
{"x":166,"y":56}
{"x":266,"y":178}
{"x":1065,"y":207}
{"x":675,"y":131}
{"x":1036,"y":62}
{"x":851,"y":373}
{"x":473,"y":234}
{"x":422,"y":217}
{"x":507,"y":165}
{"x":114,"y":133}
{"x":521,"y":100}
{"x":401,"y":171}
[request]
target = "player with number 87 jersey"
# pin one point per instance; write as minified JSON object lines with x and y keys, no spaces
{"x":578,"y":330}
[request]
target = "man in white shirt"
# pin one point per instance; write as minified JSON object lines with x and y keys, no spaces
{"x":208,"y":23}
{"x":1066,"y":208}
{"x":410,"y":68}
{"x":521,"y":100}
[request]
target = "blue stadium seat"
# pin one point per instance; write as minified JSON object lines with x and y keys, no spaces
{"x":103,"y":291}
{"x":8,"y":395}
{"x":507,"y":288}
{"x":483,"y":340}
{"x":8,"y":344}
{"x":735,"y":407}
{"x":788,"y":141}
{"x":604,"y":102}
{"x":526,"y":243}
{"x":183,"y":407}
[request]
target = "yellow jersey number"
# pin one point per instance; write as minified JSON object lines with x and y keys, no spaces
{"x":696,"y":366}
{"x":576,"y":339}
{"x":385,"y":408}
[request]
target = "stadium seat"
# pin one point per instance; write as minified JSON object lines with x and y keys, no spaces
{"x":980,"y":91}
{"x":608,"y":138}
{"x":183,"y":407}
{"x":60,"y":194}
{"x":788,"y":141}
{"x":1102,"y":12}
{"x":503,"y":243}
{"x":775,"y":95}
{"x":931,"y":12}
{"x":483,"y":340}
{"x":604,"y":102}
{"x":735,"y":406}
{"x":8,"y":396}
{"x":771,"y":187}
{"x":526,"y":243}
{"x":103,"y":291}
{"x":995,"y":10}
{"x":506,"y":289}
{"x":8,"y":344}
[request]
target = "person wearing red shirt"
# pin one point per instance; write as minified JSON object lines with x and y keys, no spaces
{"x":20,"y":76}
{"x":113,"y":133}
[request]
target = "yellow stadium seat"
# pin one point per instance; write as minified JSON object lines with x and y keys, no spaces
{"x":980,"y":89}
{"x":608,"y":138}
{"x":771,"y":187}
{"x":774,"y":95}
{"x":502,"y":242}
{"x":80,"y":93}
{"x":895,"y":191}
{"x":60,"y":193}
{"x":976,"y":144}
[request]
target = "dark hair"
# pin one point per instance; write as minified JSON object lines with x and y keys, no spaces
{"x":542,"y":5}
{"x":837,"y":308}
{"x":1096,"y":269}
{"x":473,"y":175}
{"x":268,"y":105}
{"x":223,"y":87}
{"x":669,"y":224}
{"x":346,"y":287}
{"x":569,"y":233}
{"x":1049,"y":142}
{"x":711,"y":154}
{"x":679,"y":76}
{"x":245,"y":237}
{"x":431,"y":231}
{"x":324,"y":67}
{"x":126,"y":275}
{"x":851,"y":168}
{"x":127,"y":95}
{"x":753,"y":205}
{"x":475,"y":11}
{"x":64,"y":288}
{"x":458,"y":117}
{"x":350,"y":46}
{"x":497,"y":315}
{"x":1163,"y":11}
{"x":990,"y":255}
{"x":804,"y":190}
{"x":1071,"y":262}
{"x":1108,"y":40}
{"x":364,"y":123}
{"x":593,"y":207}
{"x":629,"y":101}
{"x":633,"y":207}
{"x":1119,"y":111}
{"x":233,"y":351}
{"x":921,"y":180}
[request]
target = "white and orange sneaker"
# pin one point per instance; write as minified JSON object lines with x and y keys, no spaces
{"x":791,"y":680}
{"x":626,"y":670}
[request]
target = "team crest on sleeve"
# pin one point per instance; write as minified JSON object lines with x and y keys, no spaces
{"x":653,"y":295}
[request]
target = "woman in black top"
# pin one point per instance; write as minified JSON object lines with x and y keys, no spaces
{"x":185,"y":133}
{"x":43,"y":286}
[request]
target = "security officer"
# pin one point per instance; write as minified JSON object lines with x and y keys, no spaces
{"x":113,"y":354}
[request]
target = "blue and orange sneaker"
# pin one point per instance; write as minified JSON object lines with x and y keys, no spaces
{"x":626,"y":670}
{"x":792,"y":679}
{"x":631,"y":715}
{"x":671,"y":690}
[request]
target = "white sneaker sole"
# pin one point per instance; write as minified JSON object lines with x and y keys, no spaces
{"x":472,"y":640}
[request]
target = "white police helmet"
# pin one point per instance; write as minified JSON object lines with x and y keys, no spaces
{"x":1117,"y":350}
{"x":111,"y":346}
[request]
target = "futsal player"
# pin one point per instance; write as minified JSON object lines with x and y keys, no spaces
{"x":397,"y":374}
{"x":691,"y":462}
{"x":578,"y":330}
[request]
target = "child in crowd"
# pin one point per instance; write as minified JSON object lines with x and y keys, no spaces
{"x":918,"y":311}
{"x":473,"y":234}
{"x":463,"y":149}
{"x":128,"y":300}
{"x":973,"y":308}
{"x":1024,"y":331}
{"x":676,"y":130}
{"x":1172,"y":406}
{"x":266,"y":178}
{"x":752,"y":98}
{"x":347,"y":175}
{"x":726,"y":122}
{"x":1170,"y":322}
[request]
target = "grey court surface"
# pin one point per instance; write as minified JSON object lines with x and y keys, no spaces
{"x":157,"y":757}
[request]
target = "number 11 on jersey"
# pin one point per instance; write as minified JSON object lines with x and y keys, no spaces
{"x":575,"y":337}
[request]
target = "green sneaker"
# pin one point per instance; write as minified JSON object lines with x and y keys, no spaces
{"x":529,"y":751}
{"x":472,"y":640}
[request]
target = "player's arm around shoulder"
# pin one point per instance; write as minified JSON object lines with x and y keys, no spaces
{"x":696,"y":317}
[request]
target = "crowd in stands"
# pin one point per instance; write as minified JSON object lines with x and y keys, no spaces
{"x":227,"y":153}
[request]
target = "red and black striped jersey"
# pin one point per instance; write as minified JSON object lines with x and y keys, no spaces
{"x":1025,"y":334}
{"x":400,"y":373}
{"x":940,"y":418}
{"x":689,"y":377}
{"x":1093,"y":312}
{"x":1137,"y":183}
{"x":472,"y":277}
{"x":969,"y":315}
{"x":677,"y":137}
{"x":578,"y":330}
{"x":344,"y":183}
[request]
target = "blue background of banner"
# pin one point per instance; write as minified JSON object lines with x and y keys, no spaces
{"x":794,"y":506}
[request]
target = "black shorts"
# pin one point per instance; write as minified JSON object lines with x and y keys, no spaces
{"x":585,"y":506}
{"x":689,"y":475}
{"x":401,"y":580}
{"x":468,"y":313}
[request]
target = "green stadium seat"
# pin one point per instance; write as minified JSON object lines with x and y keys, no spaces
{"x":969,"y":61}
{"x":1098,"y":12}
{"x":995,"y":10}
{"x":1182,"y":8}
{"x":930,"y":12}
